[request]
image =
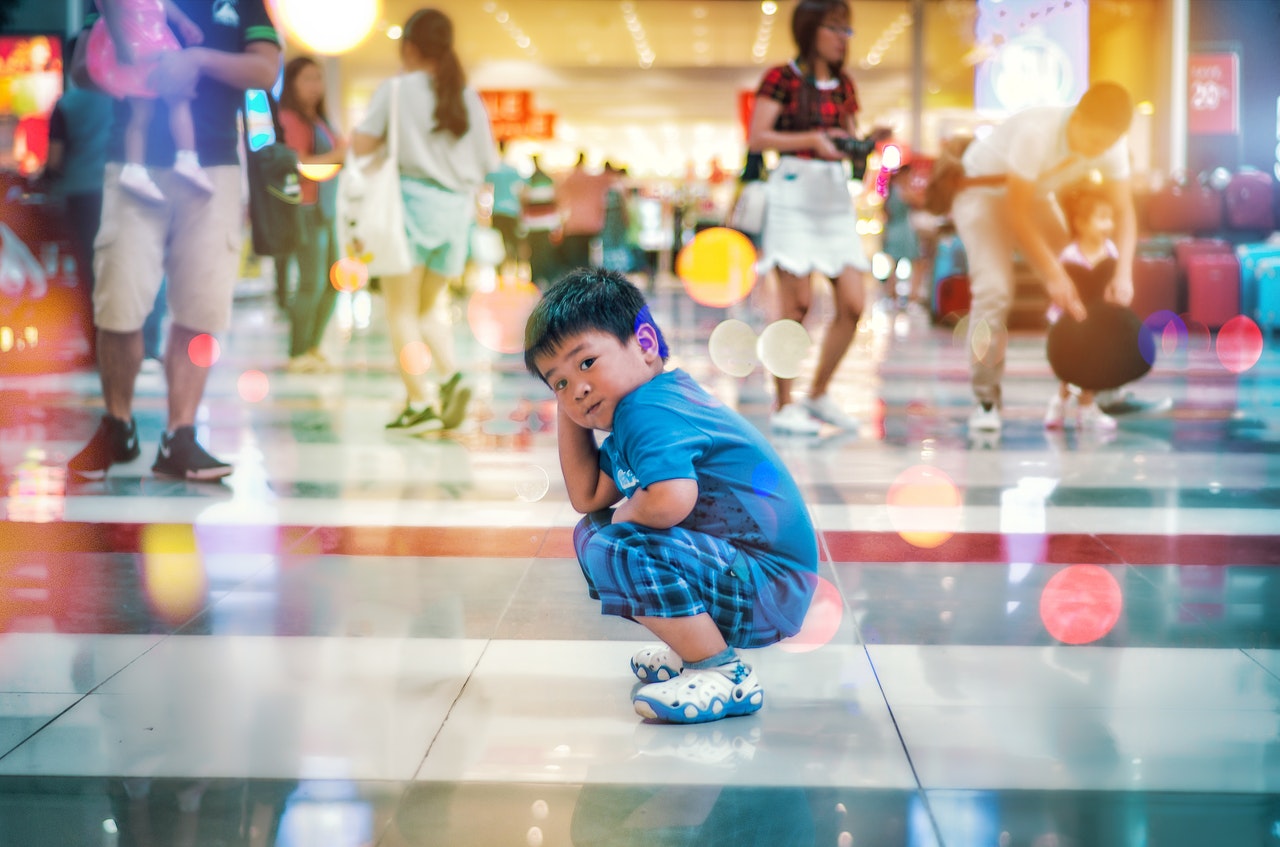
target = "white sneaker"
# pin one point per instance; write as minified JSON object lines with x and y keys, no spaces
{"x":1056,"y":415}
{"x":188,"y":167}
{"x":984,"y":420}
{"x":135,"y":179}
{"x":794,"y":419}
{"x":825,"y":409}
{"x":1092,"y":418}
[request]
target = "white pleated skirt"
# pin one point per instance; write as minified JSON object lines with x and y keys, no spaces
{"x":810,"y":222}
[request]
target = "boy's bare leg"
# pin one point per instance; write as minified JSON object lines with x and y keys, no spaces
{"x":693,"y":638}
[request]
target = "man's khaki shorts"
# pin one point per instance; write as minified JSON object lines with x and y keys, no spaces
{"x":193,"y":238}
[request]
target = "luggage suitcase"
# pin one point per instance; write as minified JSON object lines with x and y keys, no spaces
{"x":1266,"y":310}
{"x":1249,"y":199}
{"x":951,"y":298}
{"x":1192,"y":207}
{"x":1155,"y":285}
{"x":1213,"y":288}
{"x":1185,"y":248}
{"x":1251,"y":256}
{"x":949,"y":258}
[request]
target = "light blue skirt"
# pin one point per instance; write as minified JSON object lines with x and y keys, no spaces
{"x":437,"y":222}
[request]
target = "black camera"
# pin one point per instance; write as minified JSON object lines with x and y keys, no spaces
{"x":857,"y":150}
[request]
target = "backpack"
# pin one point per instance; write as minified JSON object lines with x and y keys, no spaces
{"x":947,"y":176}
{"x":275,"y":194}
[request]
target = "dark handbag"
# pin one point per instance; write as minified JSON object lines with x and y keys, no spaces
{"x":275,"y":194}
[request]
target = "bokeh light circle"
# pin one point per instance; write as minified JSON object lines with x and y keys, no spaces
{"x":319,"y":171}
{"x":253,"y":386}
{"x":1164,"y":333}
{"x":821,"y":622}
{"x":349,"y":274}
{"x":173,"y":573}
{"x":415,"y":358}
{"x":203,"y":350}
{"x":532,"y":483}
{"x":1080,"y":604}
{"x":924,"y":506}
{"x":732,"y":347}
{"x":782,"y":348}
{"x":497,"y":318}
{"x":1239,"y":344}
{"x":1199,"y":336}
{"x":718,"y":267}
{"x":328,"y":27}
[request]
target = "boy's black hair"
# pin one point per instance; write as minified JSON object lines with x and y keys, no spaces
{"x":585,"y":300}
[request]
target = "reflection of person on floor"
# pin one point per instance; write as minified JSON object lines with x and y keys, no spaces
{"x":1037,"y":151}
{"x":711,"y":547}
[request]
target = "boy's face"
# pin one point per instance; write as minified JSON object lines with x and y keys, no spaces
{"x":591,"y":372}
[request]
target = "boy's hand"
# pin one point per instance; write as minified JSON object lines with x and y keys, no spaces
{"x":660,"y":506}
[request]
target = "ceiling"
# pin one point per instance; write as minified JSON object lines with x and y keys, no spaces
{"x":648,"y":73}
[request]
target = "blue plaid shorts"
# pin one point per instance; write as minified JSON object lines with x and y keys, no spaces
{"x":637,"y":571}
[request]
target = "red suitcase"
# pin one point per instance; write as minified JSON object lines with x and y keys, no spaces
{"x":1249,"y":201}
{"x":1213,"y":288}
{"x":1155,"y":285}
{"x":1192,"y":207}
{"x":1185,"y":249}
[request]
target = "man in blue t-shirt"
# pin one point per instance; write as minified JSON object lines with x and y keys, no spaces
{"x":711,"y":546}
{"x":188,"y":235}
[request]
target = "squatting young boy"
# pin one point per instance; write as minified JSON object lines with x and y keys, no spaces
{"x":710,"y":546}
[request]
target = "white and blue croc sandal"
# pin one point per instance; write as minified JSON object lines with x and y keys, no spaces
{"x":656,"y":663}
{"x":699,"y":696}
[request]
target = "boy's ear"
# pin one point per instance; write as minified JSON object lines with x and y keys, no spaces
{"x":648,"y":338}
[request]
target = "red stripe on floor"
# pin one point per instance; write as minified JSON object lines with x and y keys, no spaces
{"x":23,"y":541}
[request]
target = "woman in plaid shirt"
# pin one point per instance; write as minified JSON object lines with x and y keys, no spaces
{"x":801,"y":109}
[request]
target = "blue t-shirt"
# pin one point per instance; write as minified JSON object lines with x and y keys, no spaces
{"x":671,"y":428}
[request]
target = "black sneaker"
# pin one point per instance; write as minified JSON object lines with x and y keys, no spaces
{"x":181,"y":456}
{"x":115,"y":441}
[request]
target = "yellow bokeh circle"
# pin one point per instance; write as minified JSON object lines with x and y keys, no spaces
{"x":718,"y":267}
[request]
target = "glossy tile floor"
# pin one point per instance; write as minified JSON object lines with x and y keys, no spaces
{"x":360,"y":639}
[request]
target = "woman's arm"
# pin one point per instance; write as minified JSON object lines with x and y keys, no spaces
{"x":590,"y":489}
{"x":764,"y":137}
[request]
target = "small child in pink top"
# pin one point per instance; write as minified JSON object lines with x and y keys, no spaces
{"x":123,"y":47}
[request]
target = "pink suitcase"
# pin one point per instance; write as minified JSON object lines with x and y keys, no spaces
{"x":1183,"y":250}
{"x":1192,"y":207}
{"x":1213,"y":288}
{"x":1155,"y":285}
{"x":1249,"y":200}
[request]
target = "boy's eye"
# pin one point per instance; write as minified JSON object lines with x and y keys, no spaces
{"x":586,"y":363}
{"x":559,"y":384}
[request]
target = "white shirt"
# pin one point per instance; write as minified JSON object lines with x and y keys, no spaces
{"x":1032,"y":144}
{"x":459,"y":164}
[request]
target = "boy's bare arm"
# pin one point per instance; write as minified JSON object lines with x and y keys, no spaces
{"x":590,"y":489}
{"x":662,"y":505}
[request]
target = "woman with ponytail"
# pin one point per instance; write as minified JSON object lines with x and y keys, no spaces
{"x":446,"y":150}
